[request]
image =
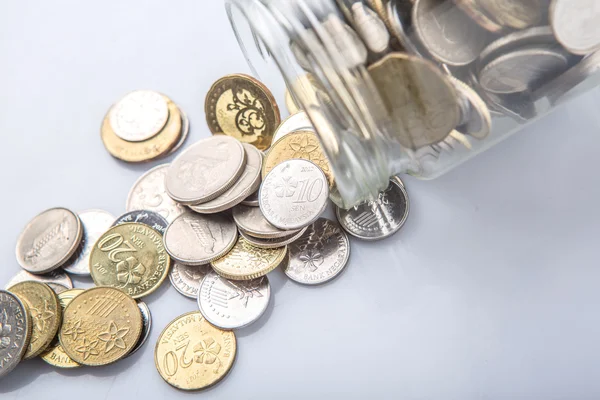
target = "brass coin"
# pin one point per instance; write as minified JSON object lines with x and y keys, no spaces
{"x":101,"y":326}
{"x":130,"y":257}
{"x":45,"y":312}
{"x":55,"y":354}
{"x":242,"y":107}
{"x":245,"y":262}
{"x":191,"y":354}
{"x":301,"y":144}
{"x":147,"y":150}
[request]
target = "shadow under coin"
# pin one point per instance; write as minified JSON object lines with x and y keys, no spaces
{"x":250,"y":329}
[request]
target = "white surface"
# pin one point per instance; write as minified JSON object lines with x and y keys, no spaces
{"x":490,"y":290}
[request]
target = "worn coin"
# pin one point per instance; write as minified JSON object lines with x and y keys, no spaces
{"x":252,"y":200}
{"x":205,"y":170}
{"x":101,"y":326}
{"x":246,"y":184}
{"x":185,"y":131}
{"x":94,"y":224}
{"x":379,"y":218}
{"x":48,"y":240}
{"x":477,"y":120}
{"x":575,"y":24}
{"x":186,"y":279}
{"x":130,"y":257}
{"x":294,"y":194}
{"x":192,"y":354}
{"x":271,"y":243}
{"x":139,"y":115}
{"x":146,"y":327}
{"x":295,"y":122}
{"x":57,"y":280}
{"x":319,"y":255}
{"x":195,"y":239}
{"x":252,"y":221}
{"x":400,"y":24}
{"x":15,"y":331}
{"x":150,"y":193}
{"x":45,"y":312}
{"x":233,"y":304}
{"x":148,"y":218}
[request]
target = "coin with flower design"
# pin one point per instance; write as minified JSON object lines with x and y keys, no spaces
{"x":191,"y":354}
{"x":101,"y":325}
{"x":130,"y":257}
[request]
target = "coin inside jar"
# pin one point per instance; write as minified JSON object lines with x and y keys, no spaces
{"x":139,"y":115}
{"x":575,"y":24}
{"x":15,"y":328}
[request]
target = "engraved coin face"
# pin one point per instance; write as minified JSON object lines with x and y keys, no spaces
{"x":295,"y":122}
{"x":246,"y":184}
{"x":242,"y":107}
{"x":150,"y":193}
{"x":575,"y":24}
{"x":45,"y":312}
{"x":100,"y":326}
{"x":377,"y":219}
{"x":57,"y":280}
{"x":15,"y":331}
{"x":192,"y":354}
{"x":272,"y":243}
{"x":290,"y":103}
{"x":319,"y":255}
{"x":94,"y":223}
{"x":195,"y":239}
{"x":253,"y":222}
{"x":148,"y":218}
{"x":186,"y":279}
{"x":48,"y":240}
{"x":139,"y":115}
{"x":294,"y":194}
{"x":233,"y":304}
{"x":146,"y":327}
{"x":130,"y":257}
{"x":205,"y":170}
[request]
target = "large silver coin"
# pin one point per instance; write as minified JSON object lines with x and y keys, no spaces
{"x":294,"y":194}
{"x":575,"y":24}
{"x":139,"y":115}
{"x":377,"y":219}
{"x":319,"y":255}
{"x":233,"y":304}
{"x":94,"y":224}
{"x":146,"y":327}
{"x":295,"y":122}
{"x":205,"y":170}
{"x":57,"y":280}
{"x":195,"y":239}
{"x":252,"y":221}
{"x":272,"y":243}
{"x":149,"y":193}
{"x":49,"y":240}
{"x":186,"y":279}
{"x":15,"y":331}
{"x":246,"y":184}
{"x":185,"y":131}
{"x":148,"y":218}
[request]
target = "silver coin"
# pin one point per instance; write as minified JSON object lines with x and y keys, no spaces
{"x":252,"y":221}
{"x":195,"y":239}
{"x":246,"y":184}
{"x":295,"y":122}
{"x":149,"y":193}
{"x":233,"y":304}
{"x":139,"y":115}
{"x":319,"y":255}
{"x":448,"y":34}
{"x":94,"y":224}
{"x":56,"y":279}
{"x":272,"y":243}
{"x":575,"y":24}
{"x":377,"y":219}
{"x":15,"y":331}
{"x":185,"y":131}
{"x":146,"y":327}
{"x":49,"y":240}
{"x":477,"y":120}
{"x":148,"y":218}
{"x":251,"y":200}
{"x":186,"y":279}
{"x":370,"y":28}
{"x":294,"y":194}
{"x":400,"y":23}
{"x":205,"y":170}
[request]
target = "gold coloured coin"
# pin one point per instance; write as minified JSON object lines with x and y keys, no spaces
{"x":55,"y":354}
{"x":45,"y":312}
{"x":300,"y":144}
{"x":191,"y":354}
{"x":130,"y":257}
{"x":242,"y":107}
{"x":101,"y":326}
{"x":147,"y":150}
{"x":245,"y":262}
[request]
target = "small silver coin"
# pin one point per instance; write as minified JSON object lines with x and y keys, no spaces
{"x":185,"y":131}
{"x":49,"y":240}
{"x":272,"y":243}
{"x":252,"y":221}
{"x":319,"y":255}
{"x":246,"y":184}
{"x":146,"y":217}
{"x":186,"y":279}
{"x":377,"y":219}
{"x":149,"y":193}
{"x":205,"y":170}
{"x":94,"y":224}
{"x":139,"y":115}
{"x":233,"y":304}
{"x":294,"y":194}
{"x":295,"y":122}
{"x":195,"y":239}
{"x":575,"y":24}
{"x":146,"y":327}
{"x":251,"y":200}
{"x":15,"y":331}
{"x":56,"y":279}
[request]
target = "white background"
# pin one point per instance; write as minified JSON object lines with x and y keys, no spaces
{"x":490,"y":291}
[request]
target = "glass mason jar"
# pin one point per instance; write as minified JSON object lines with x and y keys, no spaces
{"x":417,"y":86}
